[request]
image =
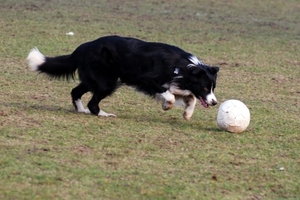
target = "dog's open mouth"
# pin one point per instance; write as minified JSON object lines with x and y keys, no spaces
{"x":203,"y":103}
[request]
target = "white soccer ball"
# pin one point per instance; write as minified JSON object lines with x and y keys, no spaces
{"x":233,"y":116}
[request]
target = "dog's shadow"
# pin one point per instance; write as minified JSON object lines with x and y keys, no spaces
{"x":176,"y":122}
{"x":24,"y":106}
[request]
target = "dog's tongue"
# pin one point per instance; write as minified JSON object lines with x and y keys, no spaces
{"x":203,"y":103}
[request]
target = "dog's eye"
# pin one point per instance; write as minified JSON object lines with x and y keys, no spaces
{"x":206,"y":89}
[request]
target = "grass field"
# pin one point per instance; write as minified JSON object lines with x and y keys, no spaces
{"x":48,"y":151}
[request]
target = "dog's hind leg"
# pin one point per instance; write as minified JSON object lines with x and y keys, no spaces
{"x":104,"y":114}
{"x":93,"y":105}
{"x":76,"y":94}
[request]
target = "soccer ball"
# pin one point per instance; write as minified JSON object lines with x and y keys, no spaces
{"x":233,"y":116}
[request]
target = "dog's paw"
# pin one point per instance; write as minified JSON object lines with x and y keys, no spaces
{"x":104,"y":114}
{"x":187,"y":115}
{"x":80,"y":108}
{"x":87,"y":111}
{"x":167,"y":105}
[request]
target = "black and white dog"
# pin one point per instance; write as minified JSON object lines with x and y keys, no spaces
{"x":156,"y":69}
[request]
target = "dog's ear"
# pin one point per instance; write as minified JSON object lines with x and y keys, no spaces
{"x":214,"y":69}
{"x":196,"y":70}
{"x":200,"y":70}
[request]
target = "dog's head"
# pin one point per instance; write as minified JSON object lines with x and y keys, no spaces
{"x":200,"y":80}
{"x":202,"y":84}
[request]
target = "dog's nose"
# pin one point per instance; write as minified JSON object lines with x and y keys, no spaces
{"x":214,"y":102}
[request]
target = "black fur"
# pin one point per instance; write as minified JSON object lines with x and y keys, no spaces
{"x":147,"y":66}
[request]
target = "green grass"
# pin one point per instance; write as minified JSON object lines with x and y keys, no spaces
{"x":48,"y":151}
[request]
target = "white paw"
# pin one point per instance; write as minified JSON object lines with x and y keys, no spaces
{"x":168,"y":97}
{"x":104,"y":114}
{"x":87,"y":111}
{"x":167,"y":105}
{"x":187,"y":115}
{"x":80,"y":107}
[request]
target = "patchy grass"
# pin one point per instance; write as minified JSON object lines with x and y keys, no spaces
{"x":48,"y":151}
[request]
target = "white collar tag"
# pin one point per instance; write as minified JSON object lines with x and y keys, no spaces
{"x":176,"y":71}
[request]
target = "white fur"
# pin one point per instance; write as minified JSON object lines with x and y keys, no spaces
{"x":35,"y":59}
{"x":104,"y":114}
{"x":80,"y":107}
{"x":195,"y":61}
{"x":168,"y":99}
{"x":176,"y":71}
{"x":168,"y":96}
{"x":176,"y":91}
{"x":178,"y":97}
{"x":190,"y":102}
{"x":186,"y":98}
{"x":210,"y":98}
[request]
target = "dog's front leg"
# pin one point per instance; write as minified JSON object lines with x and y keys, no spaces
{"x":169,"y":100}
{"x":190,"y":102}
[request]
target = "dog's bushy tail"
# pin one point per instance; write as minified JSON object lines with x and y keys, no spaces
{"x":56,"y":67}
